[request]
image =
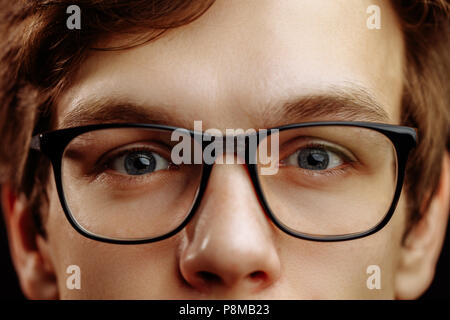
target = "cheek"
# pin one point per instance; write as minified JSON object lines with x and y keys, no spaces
{"x":108,"y":271}
{"x":338,"y":270}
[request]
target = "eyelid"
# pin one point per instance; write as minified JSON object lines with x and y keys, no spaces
{"x":120,"y":158}
{"x":307,"y":142}
{"x":106,"y":158}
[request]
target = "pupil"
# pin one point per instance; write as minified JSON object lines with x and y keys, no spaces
{"x":139,"y":163}
{"x":313,"y":159}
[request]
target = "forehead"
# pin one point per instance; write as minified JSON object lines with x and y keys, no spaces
{"x":242,"y":57}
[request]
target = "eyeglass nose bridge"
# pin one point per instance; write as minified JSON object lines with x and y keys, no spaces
{"x":229,"y":149}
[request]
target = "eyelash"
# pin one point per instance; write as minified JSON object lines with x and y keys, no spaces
{"x":102,"y":165}
{"x":348,"y":163}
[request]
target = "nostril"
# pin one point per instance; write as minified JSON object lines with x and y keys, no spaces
{"x":209,"y":277}
{"x":258,"y":276}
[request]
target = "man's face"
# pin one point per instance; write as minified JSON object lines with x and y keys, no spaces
{"x":232,"y":68}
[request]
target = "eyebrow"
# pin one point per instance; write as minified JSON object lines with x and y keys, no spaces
{"x":115,"y":110}
{"x":333,"y":105}
{"x":336,"y":104}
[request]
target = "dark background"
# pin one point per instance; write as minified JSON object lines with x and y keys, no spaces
{"x":9,"y":287}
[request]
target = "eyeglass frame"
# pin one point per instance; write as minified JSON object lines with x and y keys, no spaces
{"x":53,"y":144}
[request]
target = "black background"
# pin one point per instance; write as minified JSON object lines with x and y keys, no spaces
{"x":10,"y":289}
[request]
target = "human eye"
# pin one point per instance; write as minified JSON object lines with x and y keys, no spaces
{"x":314,"y":156}
{"x":133,"y":166}
{"x":137,"y":161}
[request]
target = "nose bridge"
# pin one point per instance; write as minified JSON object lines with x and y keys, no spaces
{"x":230,"y":236}
{"x":227,"y":149}
{"x":230,"y":192}
{"x":240,"y":147}
{"x":236,"y":144}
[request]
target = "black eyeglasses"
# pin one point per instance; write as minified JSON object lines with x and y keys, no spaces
{"x":138,"y":183}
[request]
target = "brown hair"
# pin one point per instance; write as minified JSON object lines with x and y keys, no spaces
{"x":38,"y":54}
{"x":426,"y":95}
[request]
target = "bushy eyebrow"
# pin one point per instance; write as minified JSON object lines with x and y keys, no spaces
{"x":336,"y":104}
{"x":332,"y":105}
{"x":114,"y":110}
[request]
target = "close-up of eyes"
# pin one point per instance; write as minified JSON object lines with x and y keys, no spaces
{"x":139,"y":162}
{"x":238,"y":151}
{"x":134,"y":160}
{"x":319,"y":156}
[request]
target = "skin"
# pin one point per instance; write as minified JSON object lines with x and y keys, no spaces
{"x":230,"y":66}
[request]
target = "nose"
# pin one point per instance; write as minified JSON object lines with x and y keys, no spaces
{"x":230,"y":242}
